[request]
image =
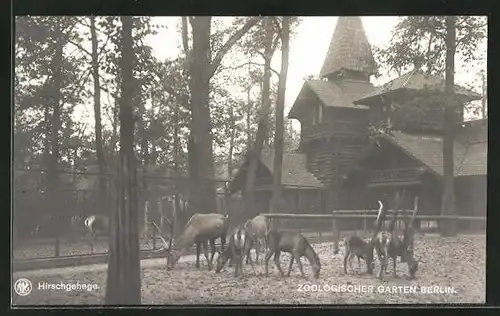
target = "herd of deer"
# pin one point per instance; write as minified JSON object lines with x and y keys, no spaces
{"x":202,"y":229}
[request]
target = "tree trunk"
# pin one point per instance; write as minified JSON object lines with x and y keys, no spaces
{"x":484,"y":97}
{"x":202,"y":68}
{"x":255,"y":152}
{"x":231,"y":144}
{"x":101,"y":161}
{"x":53,"y":175}
{"x":179,"y":218}
{"x":448,"y":199}
{"x":203,"y":190}
{"x":123,"y":286}
{"x":278,"y":202}
{"x":249,"y":115}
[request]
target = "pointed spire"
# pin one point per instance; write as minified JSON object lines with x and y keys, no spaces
{"x":349,"y":49}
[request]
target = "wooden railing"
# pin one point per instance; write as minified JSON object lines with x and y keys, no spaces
{"x":395,"y":175}
{"x":333,"y":128}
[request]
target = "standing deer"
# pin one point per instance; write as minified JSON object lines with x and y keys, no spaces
{"x":239,"y":243}
{"x":356,"y":246}
{"x":256,"y":229}
{"x":295,"y":244}
{"x":94,"y":225}
{"x":200,"y":229}
{"x":388,"y":245}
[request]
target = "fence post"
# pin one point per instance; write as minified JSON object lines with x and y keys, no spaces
{"x":364,"y":223}
{"x":335,"y":235}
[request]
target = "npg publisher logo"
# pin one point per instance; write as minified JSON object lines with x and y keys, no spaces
{"x":23,"y":287}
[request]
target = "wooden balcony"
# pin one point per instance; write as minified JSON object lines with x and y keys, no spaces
{"x":335,"y":128}
{"x":397,"y":176}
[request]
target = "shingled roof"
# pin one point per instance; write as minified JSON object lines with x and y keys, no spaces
{"x":294,"y":172}
{"x":338,"y":93}
{"x":349,"y":48}
{"x":469,"y":159}
{"x":415,"y":80}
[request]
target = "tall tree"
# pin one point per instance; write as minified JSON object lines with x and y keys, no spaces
{"x":262,"y":128}
{"x":278,"y":201}
{"x":201,"y":69}
{"x":448,"y":199}
{"x":53,"y":175}
{"x":101,"y":161}
{"x":123,"y":286}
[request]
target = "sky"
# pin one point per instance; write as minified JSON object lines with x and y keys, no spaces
{"x":308,"y":48}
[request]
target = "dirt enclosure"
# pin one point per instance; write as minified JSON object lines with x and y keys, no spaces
{"x":452,"y":270}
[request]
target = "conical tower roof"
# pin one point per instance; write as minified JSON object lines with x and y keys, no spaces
{"x":349,"y":49}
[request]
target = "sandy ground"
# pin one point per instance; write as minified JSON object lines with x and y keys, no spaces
{"x":453,"y":266}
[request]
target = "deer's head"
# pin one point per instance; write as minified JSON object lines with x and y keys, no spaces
{"x":172,"y":257}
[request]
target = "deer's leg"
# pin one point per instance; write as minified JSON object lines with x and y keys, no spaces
{"x":212,"y":245}
{"x":207,"y":256}
{"x":198,"y":245}
{"x":277,"y":262}
{"x":222,"y":243}
{"x":221,"y":260}
{"x":257,"y":249}
{"x":269,"y":254}
{"x":346,"y":257}
{"x":351,"y":255}
{"x":290,"y":266}
{"x":248,"y":250}
{"x":249,"y":260}
{"x":383,"y":267}
{"x":394,"y":274}
{"x":297,"y":258}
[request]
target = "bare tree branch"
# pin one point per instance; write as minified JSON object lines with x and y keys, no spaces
{"x":252,"y":64}
{"x":230,"y":42}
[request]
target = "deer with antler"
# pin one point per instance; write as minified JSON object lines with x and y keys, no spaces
{"x":356,"y":246}
{"x":200,"y":229}
{"x":388,"y":245}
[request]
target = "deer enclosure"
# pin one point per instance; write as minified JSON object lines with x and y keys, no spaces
{"x":140,"y":141}
{"x":446,"y":265}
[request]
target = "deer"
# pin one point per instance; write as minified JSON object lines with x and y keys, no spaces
{"x":239,"y":245}
{"x":295,"y":244}
{"x":356,"y":246}
{"x":256,"y":229}
{"x":93,"y":225}
{"x":388,"y":245}
{"x":200,"y":229}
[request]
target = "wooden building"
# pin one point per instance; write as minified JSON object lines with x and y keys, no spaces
{"x":302,"y":191}
{"x":340,"y":113}
{"x":361,"y":143}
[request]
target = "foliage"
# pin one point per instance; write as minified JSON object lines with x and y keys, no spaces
{"x":420,"y":40}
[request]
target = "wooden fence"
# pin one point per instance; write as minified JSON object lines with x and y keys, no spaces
{"x":364,"y":218}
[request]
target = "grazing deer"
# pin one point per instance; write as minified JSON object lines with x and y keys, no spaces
{"x":200,"y":229}
{"x":295,"y":244}
{"x":388,"y":245}
{"x":356,"y":246}
{"x":239,"y":243}
{"x":256,"y":229}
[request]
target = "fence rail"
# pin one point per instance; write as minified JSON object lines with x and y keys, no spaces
{"x":353,"y":215}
